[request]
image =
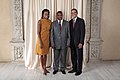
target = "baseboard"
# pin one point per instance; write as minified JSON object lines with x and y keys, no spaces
{"x":5,"y":61}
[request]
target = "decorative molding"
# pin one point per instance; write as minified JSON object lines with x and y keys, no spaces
{"x":17,"y":41}
{"x":17,"y":50}
{"x":93,"y":29}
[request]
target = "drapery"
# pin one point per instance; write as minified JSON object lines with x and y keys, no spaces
{"x":32,"y":13}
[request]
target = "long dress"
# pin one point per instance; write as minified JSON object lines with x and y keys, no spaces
{"x":45,"y":37}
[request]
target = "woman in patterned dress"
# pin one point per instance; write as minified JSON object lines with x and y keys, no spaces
{"x":43,"y":41}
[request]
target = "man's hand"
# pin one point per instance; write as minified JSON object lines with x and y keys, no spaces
{"x":68,"y":45}
{"x":80,"y":45}
{"x":53,"y":46}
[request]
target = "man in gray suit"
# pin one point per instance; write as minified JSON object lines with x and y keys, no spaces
{"x":60,"y":40}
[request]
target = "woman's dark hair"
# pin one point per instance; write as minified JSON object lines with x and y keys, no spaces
{"x":45,"y":10}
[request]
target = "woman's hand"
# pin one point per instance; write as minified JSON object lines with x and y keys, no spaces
{"x":41,"y":45}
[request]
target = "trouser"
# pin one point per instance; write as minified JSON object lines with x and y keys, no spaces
{"x":77,"y":58}
{"x":59,"y":59}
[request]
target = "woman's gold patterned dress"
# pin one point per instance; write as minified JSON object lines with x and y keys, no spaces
{"x":45,"y":37}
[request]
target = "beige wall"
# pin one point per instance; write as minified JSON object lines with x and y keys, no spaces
{"x":110,"y":29}
{"x":5,"y":30}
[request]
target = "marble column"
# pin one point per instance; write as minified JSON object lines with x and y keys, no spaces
{"x":93,"y":29}
{"x":17,"y":41}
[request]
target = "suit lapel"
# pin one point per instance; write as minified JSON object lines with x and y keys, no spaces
{"x":57,"y":26}
{"x":63,"y":25}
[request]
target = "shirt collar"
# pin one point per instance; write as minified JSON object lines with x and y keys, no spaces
{"x":75,"y":19}
{"x":61,"y":21}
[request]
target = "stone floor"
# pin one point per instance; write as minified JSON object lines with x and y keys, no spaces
{"x":99,"y":70}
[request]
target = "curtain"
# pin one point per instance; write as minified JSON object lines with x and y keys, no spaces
{"x":32,"y":13}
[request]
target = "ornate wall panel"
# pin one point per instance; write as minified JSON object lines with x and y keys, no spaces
{"x":17,"y":41}
{"x":93,"y":29}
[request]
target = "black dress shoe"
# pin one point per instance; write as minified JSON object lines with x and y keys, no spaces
{"x":72,"y":71}
{"x":77,"y":73}
{"x":63,"y":72}
{"x":54,"y":72}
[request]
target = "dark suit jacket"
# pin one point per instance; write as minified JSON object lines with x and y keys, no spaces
{"x":77,"y":33}
{"x":61,"y":39}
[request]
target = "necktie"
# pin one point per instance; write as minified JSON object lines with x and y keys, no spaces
{"x":73,"y":23}
{"x":60,"y":24}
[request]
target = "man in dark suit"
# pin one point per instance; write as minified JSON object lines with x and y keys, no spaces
{"x":77,"y":34}
{"x":60,"y":40}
